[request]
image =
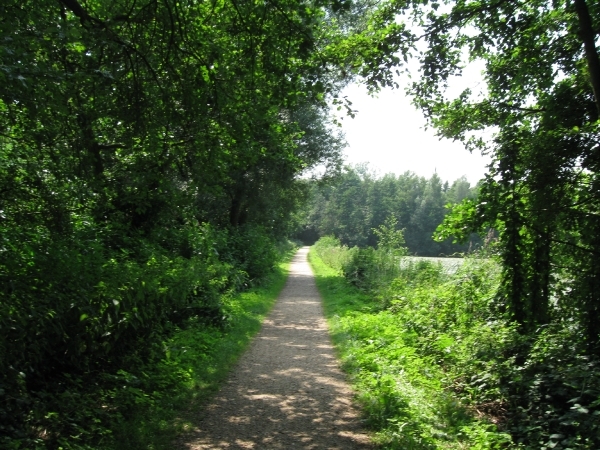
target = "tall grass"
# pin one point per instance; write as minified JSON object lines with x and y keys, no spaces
{"x":365,"y":268}
{"x":420,"y":349}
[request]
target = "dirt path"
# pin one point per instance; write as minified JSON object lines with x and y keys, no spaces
{"x":287,"y":391}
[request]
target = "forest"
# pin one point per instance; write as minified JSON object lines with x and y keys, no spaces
{"x":153,"y":163}
{"x":357,"y":202}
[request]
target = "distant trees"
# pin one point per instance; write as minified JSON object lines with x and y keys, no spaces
{"x":150,"y":154}
{"x":352,"y":206}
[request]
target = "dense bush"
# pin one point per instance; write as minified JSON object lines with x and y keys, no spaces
{"x":77,"y":320}
{"x":366,"y":268}
{"x":401,"y":344}
{"x":437,"y":359}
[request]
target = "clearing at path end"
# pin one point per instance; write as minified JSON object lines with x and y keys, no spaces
{"x":287,"y":391}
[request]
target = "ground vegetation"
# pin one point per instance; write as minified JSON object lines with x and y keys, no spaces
{"x":536,"y":112}
{"x":149,"y":162}
{"x":435,"y":356}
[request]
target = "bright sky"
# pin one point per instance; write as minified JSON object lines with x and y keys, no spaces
{"x":389,"y":133}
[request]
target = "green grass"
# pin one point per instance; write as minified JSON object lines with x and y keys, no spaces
{"x":403,"y":391}
{"x":197,"y":361}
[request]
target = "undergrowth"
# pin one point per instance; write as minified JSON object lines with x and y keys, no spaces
{"x":438,"y":364}
{"x":165,"y":374}
{"x":197,"y":360}
{"x":420,"y":358}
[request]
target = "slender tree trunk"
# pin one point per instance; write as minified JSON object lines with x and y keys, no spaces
{"x":588,"y":35}
{"x":540,"y":284}
{"x":592,"y":307}
{"x":236,"y":213}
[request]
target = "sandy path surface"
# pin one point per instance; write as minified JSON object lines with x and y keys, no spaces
{"x":287,"y":391}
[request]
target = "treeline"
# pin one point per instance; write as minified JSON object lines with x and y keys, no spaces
{"x":354,"y":204}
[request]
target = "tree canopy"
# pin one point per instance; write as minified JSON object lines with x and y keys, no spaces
{"x":539,"y":100}
{"x":149,"y":153}
{"x":354,"y":205}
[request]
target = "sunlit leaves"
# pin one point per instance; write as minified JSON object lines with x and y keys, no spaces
{"x":123,"y":126}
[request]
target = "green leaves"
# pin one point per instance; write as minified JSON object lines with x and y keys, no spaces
{"x":148,"y":163}
{"x":359,"y":209}
{"x":410,"y":358}
{"x":460,"y":221}
{"x":390,"y":239}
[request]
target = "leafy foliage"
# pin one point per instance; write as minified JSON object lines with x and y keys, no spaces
{"x":436,"y":356}
{"x":149,"y":156}
{"x":536,"y":113}
{"x":356,"y":203}
{"x":408,"y":350}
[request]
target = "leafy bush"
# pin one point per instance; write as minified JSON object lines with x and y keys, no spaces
{"x":555,"y":391}
{"x":332,"y":252}
{"x":429,"y":336}
{"x":366,"y":268}
{"x":408,"y":352}
{"x":251,"y":249}
{"x":78,"y":318}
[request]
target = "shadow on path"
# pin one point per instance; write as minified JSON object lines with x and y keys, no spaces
{"x":287,"y":391}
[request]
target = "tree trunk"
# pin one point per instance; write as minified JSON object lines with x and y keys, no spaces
{"x":236,"y":211}
{"x":588,"y":35}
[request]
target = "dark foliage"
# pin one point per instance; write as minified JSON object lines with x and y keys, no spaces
{"x":148,"y":161}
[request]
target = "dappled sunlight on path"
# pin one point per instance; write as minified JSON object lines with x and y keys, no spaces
{"x":287,"y":391}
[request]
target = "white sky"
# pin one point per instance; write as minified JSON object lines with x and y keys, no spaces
{"x":388,"y":133}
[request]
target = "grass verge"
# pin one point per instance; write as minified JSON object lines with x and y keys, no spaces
{"x":403,"y":391}
{"x":197,"y":360}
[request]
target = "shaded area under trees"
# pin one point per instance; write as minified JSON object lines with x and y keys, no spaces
{"x":148,"y":161}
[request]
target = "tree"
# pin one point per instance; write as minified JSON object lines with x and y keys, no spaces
{"x":357,"y":203}
{"x":536,"y":113}
{"x":428,"y":214}
{"x":149,"y":156}
{"x":540,"y":98}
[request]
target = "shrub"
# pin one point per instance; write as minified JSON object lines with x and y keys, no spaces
{"x":78,"y":315}
{"x":421,"y":365}
{"x":332,"y":252}
{"x":542,"y":387}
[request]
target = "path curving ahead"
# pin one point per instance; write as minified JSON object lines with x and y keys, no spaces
{"x":287,"y":391}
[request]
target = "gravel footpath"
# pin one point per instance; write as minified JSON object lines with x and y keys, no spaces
{"x":287,"y":391}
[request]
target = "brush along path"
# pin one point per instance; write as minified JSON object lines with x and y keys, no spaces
{"x":287,"y":391}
